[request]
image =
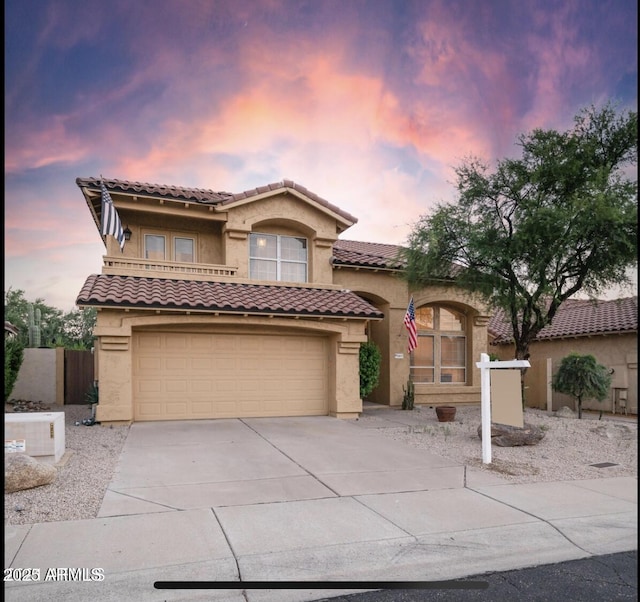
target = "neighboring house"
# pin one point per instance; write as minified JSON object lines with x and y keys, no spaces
{"x":249,"y":305}
{"x":608,"y":330}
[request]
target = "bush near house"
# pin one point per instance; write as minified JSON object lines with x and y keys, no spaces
{"x":370,"y":358}
{"x":13,"y":354}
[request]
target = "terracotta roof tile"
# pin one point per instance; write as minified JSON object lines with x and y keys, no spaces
{"x":206,"y":196}
{"x":198,"y":195}
{"x":577,"y":317}
{"x":367,"y":254}
{"x":159,"y":293}
{"x":247,"y":194}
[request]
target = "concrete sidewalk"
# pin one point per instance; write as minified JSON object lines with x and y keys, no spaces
{"x":308,"y":499}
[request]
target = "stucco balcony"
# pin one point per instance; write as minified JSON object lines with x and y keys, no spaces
{"x":146,"y":268}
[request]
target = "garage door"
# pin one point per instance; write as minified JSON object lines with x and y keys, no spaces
{"x":186,"y":376}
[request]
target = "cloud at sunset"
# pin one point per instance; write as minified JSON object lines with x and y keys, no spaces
{"x":368,"y":104}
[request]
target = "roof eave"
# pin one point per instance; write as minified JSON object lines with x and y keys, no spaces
{"x":227,"y":311}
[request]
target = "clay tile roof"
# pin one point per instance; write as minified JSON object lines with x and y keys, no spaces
{"x":367,"y":254}
{"x":575,"y":318}
{"x":198,"y":195}
{"x":206,"y":196}
{"x":247,"y":194}
{"x":158,"y":293}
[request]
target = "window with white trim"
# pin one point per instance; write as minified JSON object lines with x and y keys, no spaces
{"x":441,"y":354}
{"x":276,"y":257}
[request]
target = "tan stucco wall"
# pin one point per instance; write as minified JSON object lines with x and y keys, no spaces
{"x":153,"y":216}
{"x":284,"y":214}
{"x":38,"y":378}
{"x":114,"y":331}
{"x":613,"y":351}
{"x":390,"y":293}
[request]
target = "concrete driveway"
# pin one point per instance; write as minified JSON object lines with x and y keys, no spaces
{"x":217,"y":463}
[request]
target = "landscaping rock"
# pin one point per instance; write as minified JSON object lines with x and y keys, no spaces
{"x":504,"y":435}
{"x":24,"y":405}
{"x":24,"y":472}
{"x":614,"y":431}
{"x":566,"y":412}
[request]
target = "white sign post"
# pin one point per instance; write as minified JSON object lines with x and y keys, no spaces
{"x":485,"y":397}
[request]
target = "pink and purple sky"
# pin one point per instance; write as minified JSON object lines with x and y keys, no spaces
{"x":368,"y":103}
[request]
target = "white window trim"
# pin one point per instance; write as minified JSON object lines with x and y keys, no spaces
{"x":278,"y":259}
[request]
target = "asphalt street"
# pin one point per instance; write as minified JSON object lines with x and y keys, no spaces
{"x":596,"y":579}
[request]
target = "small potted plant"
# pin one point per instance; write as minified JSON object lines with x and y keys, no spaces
{"x":446,"y":413}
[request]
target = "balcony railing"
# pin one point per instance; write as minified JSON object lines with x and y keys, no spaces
{"x":127,"y":266}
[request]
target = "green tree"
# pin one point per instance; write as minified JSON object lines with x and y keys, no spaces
{"x":77,"y":328}
{"x":539,"y":229}
{"x":369,"y":368}
{"x":70,"y":330}
{"x":581,"y":377}
{"x":16,"y":311}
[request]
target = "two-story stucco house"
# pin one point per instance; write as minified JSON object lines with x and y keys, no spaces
{"x":250,"y":304}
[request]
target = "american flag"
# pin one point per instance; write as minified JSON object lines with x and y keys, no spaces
{"x":111,"y":224}
{"x":410,"y":323}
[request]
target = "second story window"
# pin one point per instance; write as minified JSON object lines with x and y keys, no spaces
{"x":180,"y":248}
{"x":275,"y":257}
{"x":154,"y":247}
{"x":183,"y":249}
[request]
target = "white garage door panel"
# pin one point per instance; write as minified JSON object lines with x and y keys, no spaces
{"x":185,"y":376}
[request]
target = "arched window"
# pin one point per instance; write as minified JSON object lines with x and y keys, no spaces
{"x":275,"y":257}
{"x":441,"y":355}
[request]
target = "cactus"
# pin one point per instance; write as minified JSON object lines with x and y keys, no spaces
{"x":409,"y":394}
{"x":34,"y":326}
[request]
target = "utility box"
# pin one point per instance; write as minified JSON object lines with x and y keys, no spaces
{"x":37,"y":434}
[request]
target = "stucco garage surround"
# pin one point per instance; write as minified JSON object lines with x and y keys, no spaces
{"x":175,"y":366}
{"x":182,"y":375}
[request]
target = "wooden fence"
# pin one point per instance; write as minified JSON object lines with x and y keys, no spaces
{"x":78,"y":375}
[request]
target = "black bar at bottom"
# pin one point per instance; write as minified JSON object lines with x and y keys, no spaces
{"x":250,"y":585}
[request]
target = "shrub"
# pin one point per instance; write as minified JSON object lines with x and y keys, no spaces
{"x":581,"y":377}
{"x":369,"y":368}
{"x":13,"y":353}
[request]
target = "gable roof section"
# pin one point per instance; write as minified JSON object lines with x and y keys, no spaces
{"x":353,"y":253}
{"x":576,"y":318}
{"x":220,"y":200}
{"x":288,"y":186}
{"x":106,"y":290}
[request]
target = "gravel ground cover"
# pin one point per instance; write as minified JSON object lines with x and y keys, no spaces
{"x":567,"y":452}
{"x":83,"y":474}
